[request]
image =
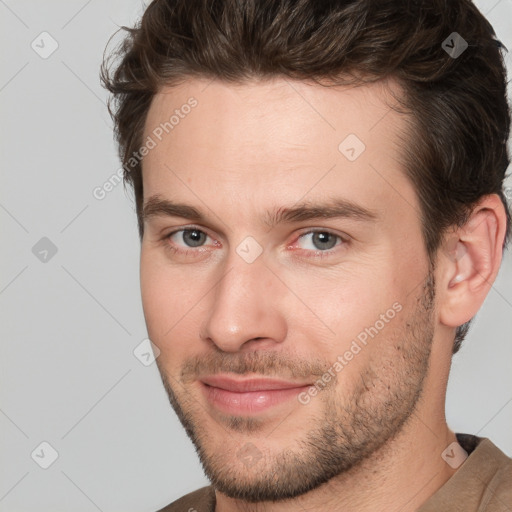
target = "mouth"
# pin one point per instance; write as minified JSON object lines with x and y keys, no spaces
{"x":248,"y":396}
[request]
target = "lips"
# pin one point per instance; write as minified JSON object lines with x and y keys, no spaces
{"x":248,"y":396}
{"x":241,"y":386}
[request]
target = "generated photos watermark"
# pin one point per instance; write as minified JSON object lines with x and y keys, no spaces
{"x":151,"y":142}
{"x":358,"y":343}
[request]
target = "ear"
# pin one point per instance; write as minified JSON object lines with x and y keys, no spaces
{"x":469,"y":262}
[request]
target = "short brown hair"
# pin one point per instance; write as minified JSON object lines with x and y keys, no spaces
{"x":456,"y":150}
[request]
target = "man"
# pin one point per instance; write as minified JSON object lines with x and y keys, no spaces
{"x":319,"y":196}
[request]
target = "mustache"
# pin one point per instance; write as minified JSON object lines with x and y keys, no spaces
{"x":271,"y":364}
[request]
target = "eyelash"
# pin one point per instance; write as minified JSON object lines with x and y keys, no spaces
{"x":317,"y":254}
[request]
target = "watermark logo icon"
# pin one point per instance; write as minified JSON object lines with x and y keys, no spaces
{"x":351,"y":147}
{"x":44,"y":45}
{"x":146,"y":352}
{"x":454,"y":455}
{"x":44,"y":250}
{"x":44,"y":455}
{"x":249,"y":455}
{"x":454,"y":45}
{"x":249,"y":249}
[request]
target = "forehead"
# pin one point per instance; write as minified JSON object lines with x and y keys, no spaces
{"x":266,"y":107}
{"x":282,"y":139}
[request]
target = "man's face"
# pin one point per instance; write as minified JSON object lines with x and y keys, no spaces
{"x":290,"y":350}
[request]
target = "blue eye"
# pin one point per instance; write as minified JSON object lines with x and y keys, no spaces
{"x":191,"y":242}
{"x":322,"y":240}
{"x":193,"y":236}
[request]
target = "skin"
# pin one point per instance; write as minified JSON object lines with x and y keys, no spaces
{"x":372,"y":438}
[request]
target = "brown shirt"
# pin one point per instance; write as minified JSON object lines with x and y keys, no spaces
{"x":482,"y":483}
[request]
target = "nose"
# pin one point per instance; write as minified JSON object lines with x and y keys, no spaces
{"x":244,"y":309}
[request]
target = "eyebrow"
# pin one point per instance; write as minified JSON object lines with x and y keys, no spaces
{"x":156,"y":206}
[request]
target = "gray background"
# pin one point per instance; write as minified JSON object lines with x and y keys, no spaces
{"x":70,"y":324}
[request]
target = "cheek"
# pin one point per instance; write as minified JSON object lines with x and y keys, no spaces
{"x":163,"y":287}
{"x":347,"y":308}
{"x":160,"y":299}
{"x":339,"y":299}
{"x":154,"y":298}
{"x":171,"y":306}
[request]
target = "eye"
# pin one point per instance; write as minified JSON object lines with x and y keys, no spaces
{"x":191,"y":242}
{"x":192,"y":238}
{"x":321,"y":241}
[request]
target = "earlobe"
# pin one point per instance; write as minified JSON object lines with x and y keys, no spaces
{"x":470,"y":262}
